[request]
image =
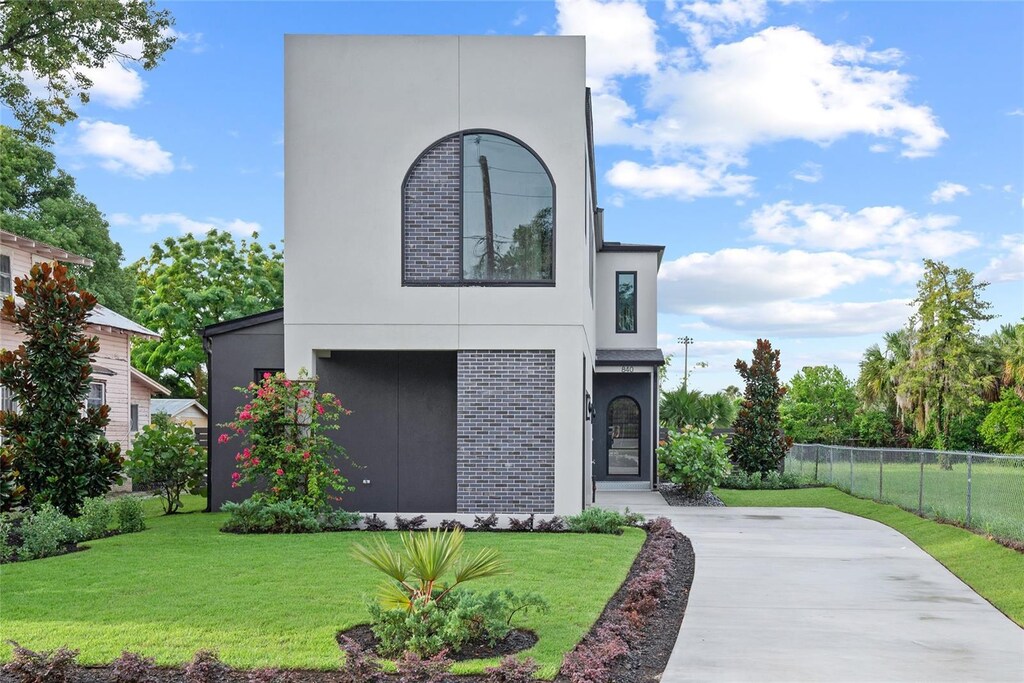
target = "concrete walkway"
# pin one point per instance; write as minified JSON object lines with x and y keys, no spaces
{"x":810,"y":594}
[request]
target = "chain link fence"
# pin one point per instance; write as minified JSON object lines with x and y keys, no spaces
{"x":983,"y":491}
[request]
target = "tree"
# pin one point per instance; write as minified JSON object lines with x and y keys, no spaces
{"x":759,"y":444}
{"x":1003,"y":353}
{"x":819,"y":406}
{"x":944,"y":366}
{"x":1003,"y":427}
{"x":165,"y":456}
{"x":187,"y":283}
{"x":38,"y":200}
{"x":58,"y":447}
{"x":57,"y":43}
{"x":680,"y":408}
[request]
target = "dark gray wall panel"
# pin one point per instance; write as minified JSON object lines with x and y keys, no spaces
{"x":608,"y":386}
{"x":427,"y":397}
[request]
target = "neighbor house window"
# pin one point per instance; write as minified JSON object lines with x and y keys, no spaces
{"x":507,"y":211}
{"x":5,"y":276}
{"x":258,"y":373}
{"x":96,"y":396}
{"x":134,"y":417}
{"x":7,"y":402}
{"x":625,"y":301}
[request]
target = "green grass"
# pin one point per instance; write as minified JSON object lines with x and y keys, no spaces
{"x":994,"y":571}
{"x":273,"y":601}
{"x":997,"y":488}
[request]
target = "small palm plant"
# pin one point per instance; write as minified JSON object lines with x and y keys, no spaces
{"x":414,"y":575}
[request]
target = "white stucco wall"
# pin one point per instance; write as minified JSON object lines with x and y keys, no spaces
{"x":646,"y":266}
{"x":358,"y":112}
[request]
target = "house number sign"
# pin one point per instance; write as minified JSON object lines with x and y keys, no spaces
{"x":627,"y":368}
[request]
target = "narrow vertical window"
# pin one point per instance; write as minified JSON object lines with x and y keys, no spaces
{"x":624,"y":437}
{"x":625,"y":301}
{"x":5,"y":276}
{"x":96,"y":398}
{"x":134,"y":419}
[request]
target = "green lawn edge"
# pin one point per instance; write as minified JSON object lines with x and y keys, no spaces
{"x":994,"y":571}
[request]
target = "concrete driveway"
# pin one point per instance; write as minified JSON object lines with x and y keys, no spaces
{"x":810,"y":594}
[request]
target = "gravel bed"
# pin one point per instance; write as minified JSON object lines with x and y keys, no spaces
{"x":674,"y":496}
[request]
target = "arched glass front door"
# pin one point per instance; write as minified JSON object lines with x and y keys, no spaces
{"x":624,"y":437}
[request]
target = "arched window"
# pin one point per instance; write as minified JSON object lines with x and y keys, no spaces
{"x":478,"y":208}
{"x":624,"y":437}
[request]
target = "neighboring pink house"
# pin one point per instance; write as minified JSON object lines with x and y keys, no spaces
{"x":114,"y":382}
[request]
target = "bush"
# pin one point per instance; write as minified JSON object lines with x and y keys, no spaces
{"x":693,"y":459}
{"x":257,"y":515}
{"x":339,"y":520}
{"x":1003,"y":427}
{"x":488,"y":523}
{"x":595,"y":520}
{"x":6,"y":547}
{"x":11,"y":492}
{"x":511,"y":670}
{"x":133,"y":668}
{"x":45,"y":532}
{"x":521,"y":524}
{"x":553,"y":525}
{"x":409,"y":524}
{"x":206,"y":667}
{"x":359,"y":665}
{"x":165,"y":456}
{"x":56,"y":666}
{"x":772,"y":481}
{"x":414,"y":669}
{"x":94,"y":520}
{"x":130,"y":515}
{"x":375,"y":523}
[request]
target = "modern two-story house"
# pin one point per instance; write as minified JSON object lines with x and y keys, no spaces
{"x":447,"y":276}
{"x":114,"y":381}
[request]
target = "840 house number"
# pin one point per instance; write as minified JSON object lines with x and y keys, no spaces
{"x":626,"y":368}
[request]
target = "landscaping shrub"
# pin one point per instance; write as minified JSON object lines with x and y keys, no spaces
{"x":6,"y":546}
{"x":488,"y":523}
{"x":45,"y":532}
{"x":286,"y":451}
{"x":165,"y":456}
{"x":409,"y":524}
{"x":412,"y":668}
{"x":449,"y":524}
{"x":206,"y":667}
{"x":511,"y":670}
{"x":257,"y":515}
{"x":133,"y":668}
{"x":359,"y":665}
{"x":693,"y":459}
{"x":54,"y":666}
{"x":131,"y":516}
{"x":61,"y":452}
{"x":1003,"y":427}
{"x":595,"y":520}
{"x":339,"y":520}
{"x":94,"y":519}
{"x":771,"y":481}
{"x":375,"y":523}
{"x":11,"y":492}
{"x":521,"y":524}
{"x":555,"y":524}
{"x":758,"y":442}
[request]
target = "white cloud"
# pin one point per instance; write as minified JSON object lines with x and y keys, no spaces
{"x":1008,"y":266}
{"x":704,"y":19}
{"x":882,"y":231}
{"x":784,"y":83}
{"x":115,"y":85}
{"x":519,"y":19}
{"x":808,"y":172}
{"x":621,"y":37}
{"x":811,"y":319}
{"x":154,"y":222}
{"x":701,"y":281}
{"x":119,"y":150}
{"x":684,"y":180}
{"x":947,"y":192}
{"x":1016,"y":112}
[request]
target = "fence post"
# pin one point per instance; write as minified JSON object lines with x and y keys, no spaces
{"x":851,"y":471}
{"x":881,"y":459}
{"x":817,"y":456}
{"x":831,"y":458}
{"x":920,"y":488}
{"x":969,"y":489}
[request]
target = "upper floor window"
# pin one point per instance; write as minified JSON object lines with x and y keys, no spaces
{"x":133,"y":418}
{"x":96,"y":396}
{"x":625,"y":301}
{"x":507,"y":208}
{"x":5,"y":275}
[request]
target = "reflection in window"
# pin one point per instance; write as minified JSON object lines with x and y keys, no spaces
{"x":624,"y":437}
{"x":507,"y":211}
{"x":625,"y":302}
{"x":96,"y":398}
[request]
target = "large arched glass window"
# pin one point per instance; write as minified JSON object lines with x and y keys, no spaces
{"x":507,"y":212}
{"x":624,"y":437}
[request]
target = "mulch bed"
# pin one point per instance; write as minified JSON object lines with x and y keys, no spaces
{"x":516,"y":641}
{"x":644,"y":663}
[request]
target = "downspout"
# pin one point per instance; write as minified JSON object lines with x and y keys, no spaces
{"x":208,"y":347}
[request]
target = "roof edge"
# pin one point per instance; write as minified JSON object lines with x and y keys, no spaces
{"x":243,"y":322}
{"x":45,"y":249}
{"x":150,"y":382}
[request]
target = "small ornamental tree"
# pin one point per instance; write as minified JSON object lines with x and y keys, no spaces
{"x":165,"y":456}
{"x":57,"y":444}
{"x":759,"y":444}
{"x":285,"y":450}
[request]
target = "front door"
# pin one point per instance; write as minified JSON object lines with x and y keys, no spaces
{"x":623,"y":424}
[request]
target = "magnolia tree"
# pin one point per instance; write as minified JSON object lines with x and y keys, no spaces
{"x":759,"y":444}
{"x":284,"y":448}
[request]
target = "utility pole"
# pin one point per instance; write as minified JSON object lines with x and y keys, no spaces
{"x":485,"y":175}
{"x":686,"y":341}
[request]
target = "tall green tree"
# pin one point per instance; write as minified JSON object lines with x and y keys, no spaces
{"x":187,"y":283}
{"x":944,"y":366}
{"x":59,"y":449}
{"x":55,"y":43}
{"x":681,"y":408}
{"x":759,"y":444}
{"x":819,"y":406}
{"x":39,"y":200}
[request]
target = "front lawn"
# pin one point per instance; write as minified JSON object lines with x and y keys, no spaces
{"x":994,"y":571}
{"x":274,"y":601}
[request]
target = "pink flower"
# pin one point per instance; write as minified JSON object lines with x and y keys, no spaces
{"x":266,"y":375}
{"x":280,"y":472}
{"x":235,"y":485}
{"x":238,"y":457}
{"x":305,"y":456}
{"x":246,"y":453}
{"x":223,"y":438}
{"x":287,"y":383}
{"x":236,"y":475}
{"x":303,"y":393}
{"x":255,"y":462}
{"x":335,"y":471}
{"x":319,"y":408}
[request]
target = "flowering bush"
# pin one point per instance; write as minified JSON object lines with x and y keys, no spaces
{"x":284,"y":447}
{"x":693,"y":459}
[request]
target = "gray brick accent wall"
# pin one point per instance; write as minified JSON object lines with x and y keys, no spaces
{"x":506,"y":431}
{"x":431,"y":227}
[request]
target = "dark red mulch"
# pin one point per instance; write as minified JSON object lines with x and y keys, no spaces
{"x":516,"y":641}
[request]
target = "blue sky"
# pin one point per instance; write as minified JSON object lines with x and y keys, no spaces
{"x":798,"y":160}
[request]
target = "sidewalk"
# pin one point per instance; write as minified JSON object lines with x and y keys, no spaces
{"x":810,"y":594}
